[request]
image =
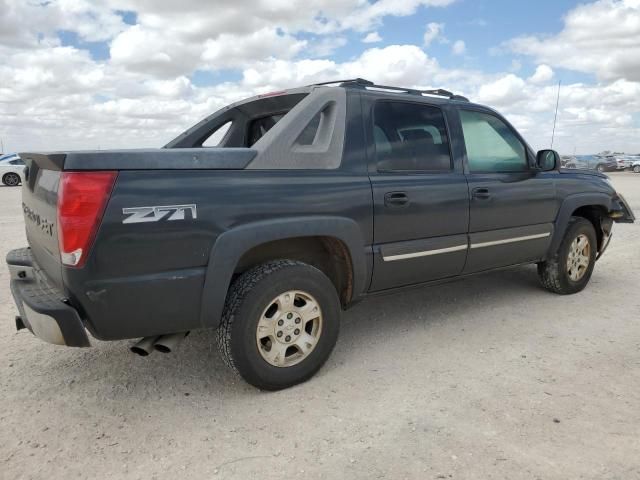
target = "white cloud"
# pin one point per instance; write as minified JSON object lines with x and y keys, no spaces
{"x":543,"y":74}
{"x":372,"y":37}
{"x":602,"y":37}
{"x":92,"y":21}
{"x":324,"y":47}
{"x":149,"y":51}
{"x":26,"y":23}
{"x":459,"y":47}
{"x":396,"y":64}
{"x":171,"y":38}
{"x":44,"y":72}
{"x":370,"y":13}
{"x":433,"y":31}
{"x":503,"y":91}
{"x":231,"y":50}
{"x":57,"y":97}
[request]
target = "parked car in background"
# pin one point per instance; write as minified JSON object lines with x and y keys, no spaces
{"x":8,"y":156}
{"x":593,"y":162}
{"x":609,"y":162}
{"x":11,"y":169}
{"x":566,"y":160}
{"x":626,"y":161}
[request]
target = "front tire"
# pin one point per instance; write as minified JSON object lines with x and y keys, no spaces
{"x":600,"y":168}
{"x":636,"y":169}
{"x":570,"y":269}
{"x":11,"y":179}
{"x":280,"y":324}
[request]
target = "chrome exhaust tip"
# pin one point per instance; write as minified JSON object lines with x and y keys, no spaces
{"x":145,"y":346}
{"x":168,"y":343}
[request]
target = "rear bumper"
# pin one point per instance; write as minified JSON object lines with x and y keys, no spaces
{"x":42,"y":306}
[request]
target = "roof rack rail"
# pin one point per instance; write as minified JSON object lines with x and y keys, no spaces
{"x":351,"y":81}
{"x":362,"y":83}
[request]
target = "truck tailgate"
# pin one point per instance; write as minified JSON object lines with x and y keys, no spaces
{"x":39,"y":204}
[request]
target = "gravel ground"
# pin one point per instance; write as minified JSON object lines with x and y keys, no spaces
{"x":490,"y":377}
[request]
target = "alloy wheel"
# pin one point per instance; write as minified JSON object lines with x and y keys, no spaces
{"x":579,"y":258}
{"x":11,"y":179}
{"x":289,"y":328}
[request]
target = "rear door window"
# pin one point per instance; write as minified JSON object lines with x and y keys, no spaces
{"x":410,"y":137}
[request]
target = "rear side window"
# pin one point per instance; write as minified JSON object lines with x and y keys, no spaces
{"x":308,"y":135}
{"x":260,"y":126}
{"x":410,"y":137}
{"x":217,"y":136}
{"x":491,"y":144}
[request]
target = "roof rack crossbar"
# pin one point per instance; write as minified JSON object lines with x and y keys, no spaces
{"x":361,"y":82}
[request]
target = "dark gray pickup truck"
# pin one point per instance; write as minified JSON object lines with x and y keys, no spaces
{"x":268,"y":218}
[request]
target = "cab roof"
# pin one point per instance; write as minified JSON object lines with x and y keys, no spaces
{"x":368,"y":85}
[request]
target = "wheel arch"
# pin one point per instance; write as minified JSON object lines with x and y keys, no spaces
{"x":591,"y":206}
{"x":335,"y":245}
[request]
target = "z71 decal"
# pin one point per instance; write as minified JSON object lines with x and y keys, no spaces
{"x":158,"y":213}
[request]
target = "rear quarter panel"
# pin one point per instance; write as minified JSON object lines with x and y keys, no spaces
{"x":147,"y":278}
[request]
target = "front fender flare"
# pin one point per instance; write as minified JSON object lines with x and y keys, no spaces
{"x":570,"y":205}
{"x":232,"y":244}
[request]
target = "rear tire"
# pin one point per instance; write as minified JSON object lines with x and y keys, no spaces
{"x":570,"y":269}
{"x":11,"y":179}
{"x":600,"y":168}
{"x":280,"y":324}
{"x":636,"y":169}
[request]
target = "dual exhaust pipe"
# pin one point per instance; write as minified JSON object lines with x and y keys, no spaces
{"x":161,"y":343}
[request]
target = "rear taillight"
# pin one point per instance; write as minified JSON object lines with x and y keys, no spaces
{"x":82,"y":198}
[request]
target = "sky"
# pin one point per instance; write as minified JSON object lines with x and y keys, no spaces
{"x":100,"y":74}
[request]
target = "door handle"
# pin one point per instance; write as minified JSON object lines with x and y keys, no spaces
{"x":481,"y":193}
{"x":396,"y":199}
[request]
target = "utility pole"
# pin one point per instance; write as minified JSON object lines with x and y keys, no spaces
{"x":555,"y":119}
{"x":1,"y":146}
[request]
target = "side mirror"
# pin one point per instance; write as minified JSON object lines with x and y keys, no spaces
{"x":547,"y":160}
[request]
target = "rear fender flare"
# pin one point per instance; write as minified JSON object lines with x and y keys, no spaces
{"x":232,"y":244}
{"x":570,"y":205}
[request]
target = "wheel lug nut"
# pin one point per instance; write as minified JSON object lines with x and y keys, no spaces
{"x":289,"y":316}
{"x":298,"y":320}
{"x":279,"y":334}
{"x":297,"y":331}
{"x":280,"y":322}
{"x":287,"y":338}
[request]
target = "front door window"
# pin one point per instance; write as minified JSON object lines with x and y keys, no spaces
{"x":491,"y":144}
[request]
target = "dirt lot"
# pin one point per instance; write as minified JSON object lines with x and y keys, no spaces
{"x":490,"y":377}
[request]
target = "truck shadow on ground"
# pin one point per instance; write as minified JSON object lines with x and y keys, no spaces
{"x":111,"y":371}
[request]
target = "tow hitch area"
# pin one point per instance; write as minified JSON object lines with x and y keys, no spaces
{"x":41,"y":305}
